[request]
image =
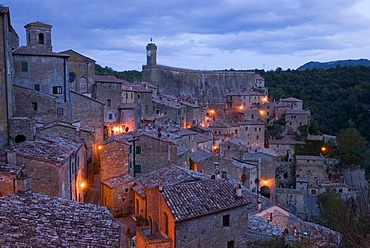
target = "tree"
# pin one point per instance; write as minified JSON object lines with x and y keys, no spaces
{"x":351,"y":147}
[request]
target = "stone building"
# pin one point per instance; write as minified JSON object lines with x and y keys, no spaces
{"x":31,"y":219}
{"x":240,"y":100}
{"x":35,"y":104}
{"x":178,"y":217}
{"x":117,"y":194}
{"x":167,"y":175}
{"x":170,"y":107}
{"x":9,"y":41}
{"x":135,"y":153}
{"x":77,"y":134}
{"x":81,"y":72}
{"x":55,"y":165}
{"x":296,"y":119}
{"x":140,"y":95}
{"x":220,"y":167}
{"x":312,"y":168}
{"x":115,"y":157}
{"x":37,"y":67}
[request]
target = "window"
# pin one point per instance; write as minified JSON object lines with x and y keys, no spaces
{"x":246,"y":128}
{"x":57,"y":89}
{"x":37,"y":87}
{"x":230,"y":244}
{"x":41,"y":38}
{"x":60,"y":111}
{"x":110,"y":116}
{"x":257,"y":137}
{"x":236,"y":131}
{"x":34,"y":106}
{"x":137,"y":168}
{"x":259,"y":129}
{"x":132,"y":95}
{"x":138,"y":150}
{"x":72,"y":77}
{"x":109,"y":103}
{"x":130,"y":149}
{"x":252,"y":116}
{"x":24,"y":66}
{"x":226,"y":220}
{"x":166,"y":223}
{"x":138,"y":96}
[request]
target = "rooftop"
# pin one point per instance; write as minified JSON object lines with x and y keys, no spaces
{"x":168,"y":175}
{"x":47,"y":148}
{"x":199,"y":198}
{"x":44,"y":221}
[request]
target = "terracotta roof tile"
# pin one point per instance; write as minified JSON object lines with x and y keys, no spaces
{"x":35,"y":220}
{"x":195,"y":199}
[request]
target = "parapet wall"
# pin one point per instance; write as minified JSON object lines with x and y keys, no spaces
{"x":204,"y":85}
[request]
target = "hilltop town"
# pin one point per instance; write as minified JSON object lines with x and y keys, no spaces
{"x":182,"y":158}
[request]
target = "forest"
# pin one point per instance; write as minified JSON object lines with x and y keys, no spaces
{"x":338,"y":98}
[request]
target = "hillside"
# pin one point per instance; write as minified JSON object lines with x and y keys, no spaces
{"x":333,"y":64}
{"x":337,"y":98}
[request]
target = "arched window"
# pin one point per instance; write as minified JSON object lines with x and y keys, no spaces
{"x":41,"y":38}
{"x":165,"y":223}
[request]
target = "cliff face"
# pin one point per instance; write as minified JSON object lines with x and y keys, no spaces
{"x":203,"y":85}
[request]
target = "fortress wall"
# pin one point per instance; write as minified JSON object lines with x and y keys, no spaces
{"x":204,"y":85}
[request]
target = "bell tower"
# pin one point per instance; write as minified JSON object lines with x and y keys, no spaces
{"x":151,"y":53}
{"x":39,"y":35}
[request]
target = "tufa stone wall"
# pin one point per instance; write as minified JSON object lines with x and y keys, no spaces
{"x":34,"y":104}
{"x":114,"y":160}
{"x":204,"y":85}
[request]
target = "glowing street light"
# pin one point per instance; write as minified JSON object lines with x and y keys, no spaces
{"x":82,"y":185}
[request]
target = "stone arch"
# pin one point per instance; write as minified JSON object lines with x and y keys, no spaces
{"x":266,"y":191}
{"x":41,"y":38}
{"x":20,"y":138}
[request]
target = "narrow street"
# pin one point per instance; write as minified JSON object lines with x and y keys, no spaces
{"x":94,"y":197}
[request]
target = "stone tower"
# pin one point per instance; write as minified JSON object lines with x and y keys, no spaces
{"x":151,"y":54}
{"x":39,"y":35}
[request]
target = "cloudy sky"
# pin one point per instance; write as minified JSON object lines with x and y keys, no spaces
{"x":203,"y":34}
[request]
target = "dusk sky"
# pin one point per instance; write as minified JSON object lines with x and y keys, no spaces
{"x":212,"y":35}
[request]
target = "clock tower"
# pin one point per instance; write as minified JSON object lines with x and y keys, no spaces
{"x":151,"y":54}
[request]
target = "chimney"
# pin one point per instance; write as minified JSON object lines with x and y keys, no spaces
{"x":238,"y":191}
{"x":23,"y":183}
{"x":11,"y":157}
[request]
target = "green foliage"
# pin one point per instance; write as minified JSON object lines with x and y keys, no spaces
{"x":341,"y":217}
{"x":351,"y":147}
{"x":338,"y":98}
{"x":131,"y":76}
{"x":310,"y":147}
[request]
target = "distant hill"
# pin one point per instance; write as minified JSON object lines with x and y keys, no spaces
{"x":331,"y":64}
